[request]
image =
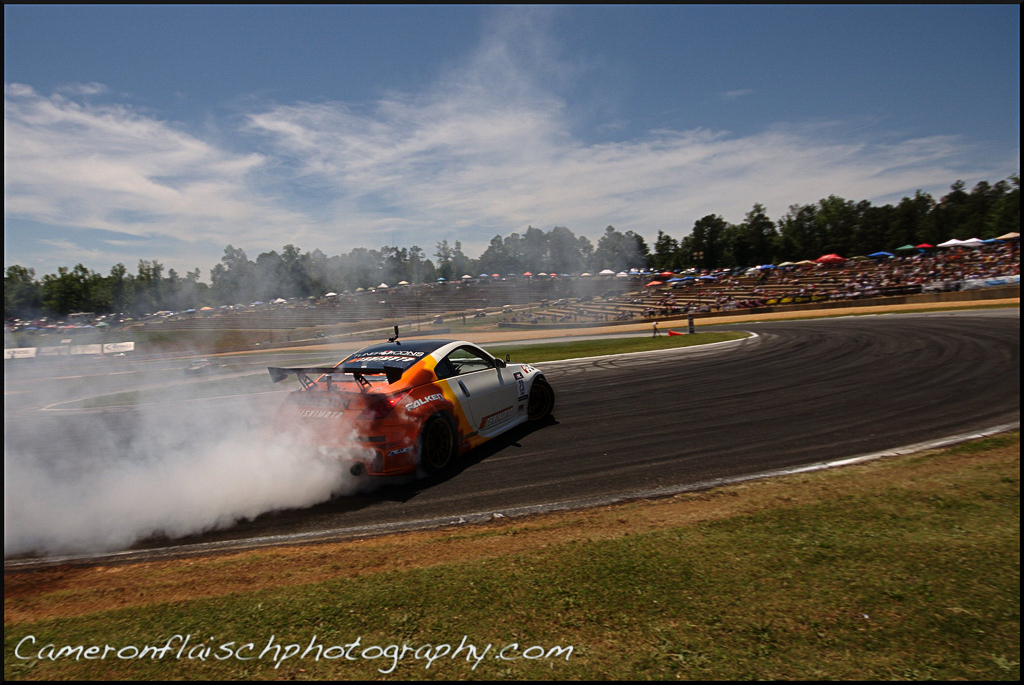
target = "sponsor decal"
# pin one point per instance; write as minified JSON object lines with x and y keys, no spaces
{"x":498,"y":417}
{"x":518,"y":376}
{"x":425,"y":400}
{"x":527,"y":368}
{"x":401,"y":451}
{"x":320,"y":414}
{"x":522,"y":389}
{"x":389,"y":357}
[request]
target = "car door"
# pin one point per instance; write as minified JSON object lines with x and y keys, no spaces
{"x":487,"y":390}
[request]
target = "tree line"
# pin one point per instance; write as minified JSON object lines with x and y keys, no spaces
{"x":832,"y":224}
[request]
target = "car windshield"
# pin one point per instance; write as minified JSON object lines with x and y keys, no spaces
{"x":397,"y":355}
{"x":376,"y":360}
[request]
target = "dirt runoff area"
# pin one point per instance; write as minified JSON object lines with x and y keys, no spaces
{"x":493,"y":334}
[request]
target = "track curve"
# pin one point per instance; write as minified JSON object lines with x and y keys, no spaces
{"x":795,"y":394}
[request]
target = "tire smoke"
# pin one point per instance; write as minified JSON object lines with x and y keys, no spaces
{"x":171,"y":470}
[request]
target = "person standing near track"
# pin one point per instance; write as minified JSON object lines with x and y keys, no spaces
{"x":654,"y":330}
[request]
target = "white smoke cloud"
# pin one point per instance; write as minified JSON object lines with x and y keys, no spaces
{"x":180,"y":471}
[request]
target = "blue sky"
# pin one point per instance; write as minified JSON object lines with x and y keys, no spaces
{"x":168,"y":132}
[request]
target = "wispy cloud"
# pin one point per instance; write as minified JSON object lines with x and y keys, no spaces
{"x":488,"y":149}
{"x":736,"y":94}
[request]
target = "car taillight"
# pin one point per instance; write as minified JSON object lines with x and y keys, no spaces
{"x":382,"y":406}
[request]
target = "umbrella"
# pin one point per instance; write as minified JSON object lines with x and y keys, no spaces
{"x":830,"y":259}
{"x":654,"y":283}
{"x":925,"y":246}
{"x":1008,"y":236}
{"x":879,"y":255}
{"x":527,"y":273}
{"x":952,"y":242}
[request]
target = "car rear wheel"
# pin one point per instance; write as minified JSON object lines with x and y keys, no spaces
{"x":437,"y":444}
{"x":542,"y":400}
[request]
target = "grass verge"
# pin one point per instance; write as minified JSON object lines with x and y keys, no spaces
{"x":901,"y":568}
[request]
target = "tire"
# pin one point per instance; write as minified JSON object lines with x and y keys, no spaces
{"x":542,"y":400}
{"x":438,"y":444}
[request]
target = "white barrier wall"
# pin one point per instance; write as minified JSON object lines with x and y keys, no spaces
{"x":66,"y":350}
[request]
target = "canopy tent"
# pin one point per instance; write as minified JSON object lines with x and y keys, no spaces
{"x":881,"y":255}
{"x":1008,"y":236}
{"x":654,"y":283}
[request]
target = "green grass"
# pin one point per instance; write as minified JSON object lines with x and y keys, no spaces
{"x":914,"y":577}
{"x":545,"y":352}
{"x":260,"y":382}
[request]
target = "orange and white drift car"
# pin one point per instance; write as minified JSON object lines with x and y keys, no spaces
{"x":396,"y":406}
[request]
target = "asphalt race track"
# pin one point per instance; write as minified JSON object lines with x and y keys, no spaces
{"x":796,"y":394}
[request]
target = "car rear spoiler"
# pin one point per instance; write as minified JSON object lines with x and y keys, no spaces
{"x":307,"y":374}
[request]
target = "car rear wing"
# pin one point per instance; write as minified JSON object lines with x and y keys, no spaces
{"x":308,"y":374}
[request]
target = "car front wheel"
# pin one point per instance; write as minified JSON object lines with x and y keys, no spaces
{"x":542,"y":400}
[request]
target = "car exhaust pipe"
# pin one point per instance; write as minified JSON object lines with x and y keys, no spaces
{"x":356,"y":470}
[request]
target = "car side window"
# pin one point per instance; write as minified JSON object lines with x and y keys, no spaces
{"x":444,"y":369}
{"x":463,"y":360}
